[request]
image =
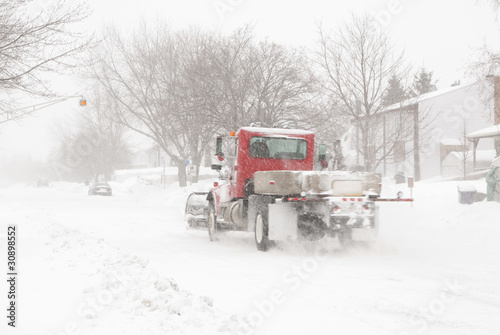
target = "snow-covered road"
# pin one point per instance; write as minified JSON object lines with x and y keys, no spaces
{"x":127,"y":265}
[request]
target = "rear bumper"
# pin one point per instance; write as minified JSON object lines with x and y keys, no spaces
{"x":108,"y":193}
{"x":356,"y":222}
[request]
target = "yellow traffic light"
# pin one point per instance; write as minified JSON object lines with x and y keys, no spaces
{"x":83,"y":102}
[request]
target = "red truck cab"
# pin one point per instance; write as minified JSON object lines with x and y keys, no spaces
{"x":268,"y":149}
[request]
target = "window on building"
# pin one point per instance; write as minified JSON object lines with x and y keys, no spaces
{"x":399,"y":151}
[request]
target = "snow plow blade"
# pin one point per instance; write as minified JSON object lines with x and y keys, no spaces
{"x":196,"y":212}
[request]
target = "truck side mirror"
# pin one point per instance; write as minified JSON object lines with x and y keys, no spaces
{"x":322,"y":152}
{"x":322,"y":156}
{"x":220,"y":156}
{"x":218,"y":149}
{"x":216,"y":167}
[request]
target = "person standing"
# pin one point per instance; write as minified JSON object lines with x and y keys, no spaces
{"x":493,"y":181}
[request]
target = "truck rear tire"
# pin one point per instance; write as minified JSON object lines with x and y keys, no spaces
{"x":212,"y":223}
{"x":262,"y":231}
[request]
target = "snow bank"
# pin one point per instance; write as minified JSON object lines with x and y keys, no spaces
{"x":62,"y":186}
{"x":75,"y":282}
{"x":129,"y":297}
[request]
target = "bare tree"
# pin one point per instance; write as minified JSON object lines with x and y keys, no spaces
{"x":228,"y":92}
{"x":180,"y":87}
{"x":34,"y":42}
{"x":249,"y":82}
{"x":324,"y":116}
{"x":466,"y":149}
{"x":357,"y":62}
{"x":148,"y":80}
{"x":283,"y":83}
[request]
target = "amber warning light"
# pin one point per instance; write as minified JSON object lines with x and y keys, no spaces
{"x":83,"y":102}
{"x":232,"y":133}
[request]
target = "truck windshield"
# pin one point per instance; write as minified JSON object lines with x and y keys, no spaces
{"x":278,"y":147}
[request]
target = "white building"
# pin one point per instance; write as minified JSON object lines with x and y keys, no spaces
{"x":436,"y":121}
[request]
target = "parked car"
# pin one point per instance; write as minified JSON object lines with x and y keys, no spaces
{"x":42,"y":182}
{"x":100,"y":188}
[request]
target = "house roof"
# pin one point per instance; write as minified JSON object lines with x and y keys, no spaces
{"x":424,"y":97}
{"x":486,"y":132}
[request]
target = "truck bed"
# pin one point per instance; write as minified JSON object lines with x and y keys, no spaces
{"x":333,"y":183}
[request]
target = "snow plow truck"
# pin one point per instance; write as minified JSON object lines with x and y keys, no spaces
{"x":269,"y":187}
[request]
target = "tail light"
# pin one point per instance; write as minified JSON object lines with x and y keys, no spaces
{"x":368,"y":208}
{"x":297,"y":199}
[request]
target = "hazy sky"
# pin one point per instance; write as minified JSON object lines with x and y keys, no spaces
{"x":440,"y":34}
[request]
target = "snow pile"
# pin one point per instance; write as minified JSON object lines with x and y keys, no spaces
{"x":123,"y":295}
{"x":63,"y":186}
{"x":437,"y":224}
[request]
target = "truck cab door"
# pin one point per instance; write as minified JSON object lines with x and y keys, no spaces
{"x":233,"y":179}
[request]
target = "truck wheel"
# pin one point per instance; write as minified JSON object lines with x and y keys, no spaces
{"x":311,"y":228}
{"x":262,"y":232}
{"x":212,"y":223}
{"x":345,"y":239}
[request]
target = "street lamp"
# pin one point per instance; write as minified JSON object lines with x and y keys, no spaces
{"x":42,"y":105}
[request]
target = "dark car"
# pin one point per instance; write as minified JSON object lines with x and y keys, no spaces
{"x":100,"y":188}
{"x":42,"y":182}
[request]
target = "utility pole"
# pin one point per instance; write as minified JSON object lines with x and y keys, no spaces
{"x":496,"y":108}
{"x":358,"y":112}
{"x":385,"y":149}
{"x":164,"y":177}
{"x":416,"y":143}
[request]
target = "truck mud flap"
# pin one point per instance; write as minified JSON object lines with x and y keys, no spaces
{"x":283,"y":222}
